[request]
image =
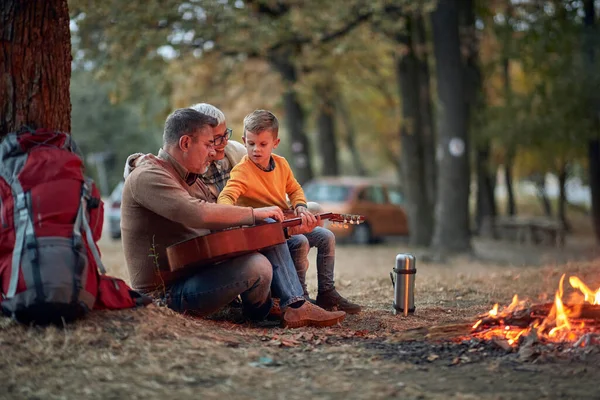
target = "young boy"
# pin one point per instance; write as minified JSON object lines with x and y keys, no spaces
{"x":265,"y":179}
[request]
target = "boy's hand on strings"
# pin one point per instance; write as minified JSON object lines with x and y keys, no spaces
{"x":309,"y":222}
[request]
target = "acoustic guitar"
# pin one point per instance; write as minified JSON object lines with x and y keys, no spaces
{"x":223,"y":245}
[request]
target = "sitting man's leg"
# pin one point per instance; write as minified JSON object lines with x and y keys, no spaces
{"x":296,"y":311}
{"x":216,"y":286}
{"x":327,"y":297}
{"x":299,"y":247}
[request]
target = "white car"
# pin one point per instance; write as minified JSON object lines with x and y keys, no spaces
{"x":113,"y":212}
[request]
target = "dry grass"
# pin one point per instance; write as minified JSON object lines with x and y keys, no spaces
{"x":155,"y":353}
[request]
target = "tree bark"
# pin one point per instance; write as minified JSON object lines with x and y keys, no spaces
{"x":35,"y":65}
{"x":452,"y":232}
{"x":510,"y":153}
{"x":562,"y":196}
{"x":594,"y":159}
{"x":350,"y":135}
{"x":539,"y":179}
{"x":486,"y":204}
{"x":591,"y":41}
{"x":326,"y":130}
{"x":294,"y":115}
{"x":412,"y":158}
{"x":427,"y":128}
{"x":508,"y":181}
{"x":485,"y":200}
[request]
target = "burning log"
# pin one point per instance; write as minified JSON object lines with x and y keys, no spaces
{"x":525,"y":317}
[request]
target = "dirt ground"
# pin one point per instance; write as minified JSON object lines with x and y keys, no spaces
{"x":155,"y":353}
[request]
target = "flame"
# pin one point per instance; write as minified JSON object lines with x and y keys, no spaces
{"x":588,"y":294}
{"x":561,"y":319}
{"x":559,"y":325}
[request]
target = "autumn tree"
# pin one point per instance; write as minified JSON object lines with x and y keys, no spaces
{"x":272,"y":31}
{"x":35,"y":65}
{"x":405,"y":26}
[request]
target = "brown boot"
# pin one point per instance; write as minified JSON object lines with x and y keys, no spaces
{"x":332,"y":300}
{"x":275,"y":311}
{"x":310,"y":315}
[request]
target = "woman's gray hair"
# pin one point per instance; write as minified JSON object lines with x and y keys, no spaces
{"x":210,"y":110}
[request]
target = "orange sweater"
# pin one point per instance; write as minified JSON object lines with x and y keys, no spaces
{"x":250,"y":186}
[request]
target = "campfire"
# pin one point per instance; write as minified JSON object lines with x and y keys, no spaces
{"x":575,"y":321}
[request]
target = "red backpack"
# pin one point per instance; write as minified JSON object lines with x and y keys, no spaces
{"x":51,"y":216}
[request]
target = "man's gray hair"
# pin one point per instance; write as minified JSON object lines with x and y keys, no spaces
{"x":185,"y":121}
{"x":210,"y":110}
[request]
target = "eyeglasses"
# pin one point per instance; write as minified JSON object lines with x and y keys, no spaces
{"x":219,"y":140}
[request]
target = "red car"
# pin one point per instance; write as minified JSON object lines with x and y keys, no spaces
{"x":380,"y":202}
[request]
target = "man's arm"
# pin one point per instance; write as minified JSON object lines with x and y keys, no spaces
{"x":156,"y":190}
{"x":236,"y":186}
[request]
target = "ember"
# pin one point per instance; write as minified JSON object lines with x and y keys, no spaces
{"x":577,"y":321}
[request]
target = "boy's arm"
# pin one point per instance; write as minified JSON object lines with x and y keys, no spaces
{"x":294,"y":190}
{"x":236,"y":187}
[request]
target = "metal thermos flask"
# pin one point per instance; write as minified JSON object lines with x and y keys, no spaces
{"x":403,"y":279}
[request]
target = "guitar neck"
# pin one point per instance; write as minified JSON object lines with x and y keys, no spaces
{"x":298,"y":220}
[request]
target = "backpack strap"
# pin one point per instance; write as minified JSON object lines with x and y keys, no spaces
{"x":12,"y":161}
{"x":81,"y":221}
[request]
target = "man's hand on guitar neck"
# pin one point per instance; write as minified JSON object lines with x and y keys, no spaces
{"x":263,"y":213}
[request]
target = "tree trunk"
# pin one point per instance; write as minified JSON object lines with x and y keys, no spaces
{"x":294,"y":115}
{"x":485,"y":201}
{"x":594,"y":159}
{"x":508,"y":181}
{"x":326,"y":131}
{"x":342,"y":110}
{"x":452,"y":232}
{"x":540,"y":184}
{"x":35,"y":65}
{"x":562,"y":197}
{"x":594,"y":144}
{"x":486,"y":204}
{"x":412,"y":158}
{"x":510,"y":153}
{"x":427,"y":128}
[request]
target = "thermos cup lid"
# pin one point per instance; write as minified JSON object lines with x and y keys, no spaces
{"x":405,"y":262}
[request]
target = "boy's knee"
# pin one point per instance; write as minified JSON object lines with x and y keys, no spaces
{"x":326,"y":235}
{"x":298,"y":242}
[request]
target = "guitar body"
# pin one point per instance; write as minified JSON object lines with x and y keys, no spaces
{"x":223,"y":245}
{"x":230,"y":243}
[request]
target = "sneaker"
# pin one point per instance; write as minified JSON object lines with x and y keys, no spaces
{"x":310,"y":315}
{"x":332,"y":300}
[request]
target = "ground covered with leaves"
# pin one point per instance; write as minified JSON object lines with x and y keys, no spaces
{"x":155,"y":353}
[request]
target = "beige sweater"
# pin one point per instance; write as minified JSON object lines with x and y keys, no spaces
{"x":160,"y":209}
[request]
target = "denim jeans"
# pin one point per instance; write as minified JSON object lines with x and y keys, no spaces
{"x":216,"y":286}
{"x":286,"y":284}
{"x":324,"y":240}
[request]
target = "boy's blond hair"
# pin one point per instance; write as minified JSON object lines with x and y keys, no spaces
{"x":261,"y":120}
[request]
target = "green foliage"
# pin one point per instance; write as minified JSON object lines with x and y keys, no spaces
{"x":546,"y":116}
{"x":119,"y":129}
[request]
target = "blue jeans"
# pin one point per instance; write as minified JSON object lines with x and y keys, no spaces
{"x":286,"y":284}
{"x":324,"y":240}
{"x":216,"y":286}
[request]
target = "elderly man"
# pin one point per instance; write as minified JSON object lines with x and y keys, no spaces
{"x":228,"y":153}
{"x":164,"y":203}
